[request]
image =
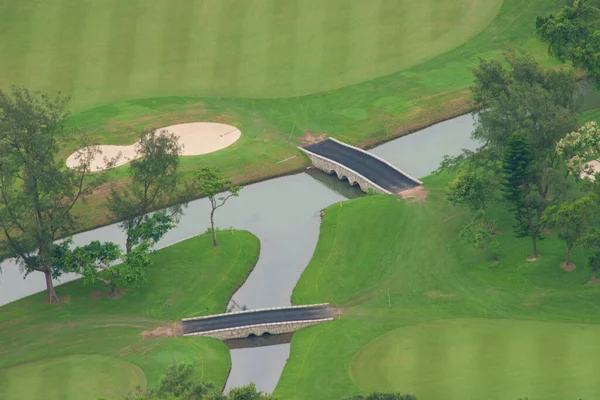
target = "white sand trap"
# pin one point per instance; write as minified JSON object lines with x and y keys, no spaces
{"x":196,"y":138}
{"x":595,"y":167}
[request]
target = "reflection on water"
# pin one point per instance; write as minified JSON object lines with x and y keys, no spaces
{"x":590,"y":97}
{"x":332,"y":182}
{"x":259,"y":341}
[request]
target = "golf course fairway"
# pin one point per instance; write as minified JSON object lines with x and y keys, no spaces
{"x":102,"y":52}
{"x":69,"y":378}
{"x":482,"y":359}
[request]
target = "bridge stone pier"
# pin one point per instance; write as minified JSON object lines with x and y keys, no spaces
{"x":359,"y":167}
{"x":273,"y":321}
{"x":331,"y":167}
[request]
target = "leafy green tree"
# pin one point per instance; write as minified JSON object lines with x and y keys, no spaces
{"x":591,"y":240}
{"x":37,"y":190}
{"x":518,"y":187}
{"x":542,"y":105}
{"x":469,"y":190}
{"x":95,"y":260}
{"x":383,"y":396}
{"x":570,"y":220}
{"x":578,"y":147}
{"x":477,"y":233}
{"x":211,"y":182}
{"x":179,"y":383}
{"x":247,"y":392}
{"x":89,"y":260}
{"x":474,"y":192}
{"x":593,"y":261}
{"x":154,"y":177}
{"x":572,"y":34}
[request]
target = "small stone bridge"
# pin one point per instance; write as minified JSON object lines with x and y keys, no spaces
{"x":359,"y":167}
{"x":242,"y":324}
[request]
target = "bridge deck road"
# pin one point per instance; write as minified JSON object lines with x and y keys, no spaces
{"x":370,"y":167}
{"x":255,"y":318}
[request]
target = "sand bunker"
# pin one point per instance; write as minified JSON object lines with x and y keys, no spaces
{"x":595,"y":167}
{"x":196,"y":138}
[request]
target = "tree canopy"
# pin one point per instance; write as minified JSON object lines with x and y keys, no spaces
{"x":37,"y":190}
{"x":154,"y":176}
{"x":212,"y":182}
{"x":179,"y":383}
{"x":573,"y":34}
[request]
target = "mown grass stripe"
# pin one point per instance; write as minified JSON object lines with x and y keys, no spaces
{"x":121,"y":46}
{"x":336,"y":41}
{"x":283,"y":45}
{"x":67,"y":55}
{"x":93,"y":51}
{"x":175,"y":51}
{"x":41,"y":50}
{"x":226,"y":67}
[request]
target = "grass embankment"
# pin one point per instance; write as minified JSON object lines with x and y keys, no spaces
{"x":370,"y":71}
{"x":91,"y":345}
{"x":454,"y":324}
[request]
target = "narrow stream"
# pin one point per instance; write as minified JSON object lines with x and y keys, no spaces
{"x":284,"y":214}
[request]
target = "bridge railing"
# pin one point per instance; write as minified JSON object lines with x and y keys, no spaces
{"x":255,"y":310}
{"x":259,"y":329}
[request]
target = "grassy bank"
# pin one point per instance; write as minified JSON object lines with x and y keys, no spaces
{"x":368,"y":71}
{"x":393,"y":266}
{"x":91,"y":345}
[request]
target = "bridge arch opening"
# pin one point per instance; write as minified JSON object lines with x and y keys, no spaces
{"x":264,"y":334}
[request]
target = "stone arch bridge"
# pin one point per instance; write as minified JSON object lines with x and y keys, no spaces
{"x":359,"y":167}
{"x":242,"y":324}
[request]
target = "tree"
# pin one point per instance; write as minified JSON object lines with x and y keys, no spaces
{"x":474,"y":192}
{"x":517,"y":167}
{"x":539,"y":104}
{"x":578,"y":147}
{"x":211,"y":182}
{"x":179,"y":383}
{"x":89,"y":260}
{"x":570,"y":220}
{"x":95,"y":260}
{"x":478,"y":234}
{"x":247,"y":392}
{"x":572,"y":34}
{"x":154,"y":177}
{"x":38,"y":191}
{"x":594,"y":261}
{"x":591,"y":240}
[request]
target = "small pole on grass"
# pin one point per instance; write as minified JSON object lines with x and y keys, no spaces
{"x":389,"y":300}
{"x":290,"y":137}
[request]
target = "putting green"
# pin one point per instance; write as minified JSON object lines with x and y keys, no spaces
{"x":483,"y":359}
{"x":79,"y":377}
{"x":106,"y":51}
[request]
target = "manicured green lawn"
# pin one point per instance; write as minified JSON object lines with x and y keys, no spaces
{"x":102,"y":52}
{"x":74,"y":377}
{"x":482,"y":358}
{"x":417,"y":91}
{"x":394,"y":266}
{"x":187,"y":279}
